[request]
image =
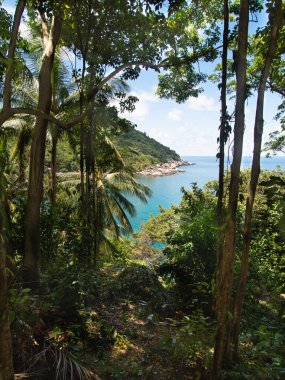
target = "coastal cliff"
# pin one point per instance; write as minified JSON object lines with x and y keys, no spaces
{"x":140,"y":151}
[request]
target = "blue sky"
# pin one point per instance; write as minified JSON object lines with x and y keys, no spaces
{"x":190,"y":128}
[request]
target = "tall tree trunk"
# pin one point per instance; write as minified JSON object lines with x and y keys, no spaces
{"x":255,"y":170}
{"x":53,"y":170}
{"x":37,"y":154}
{"x":222,"y":141}
{"x":83,"y":44}
{"x":6,"y":357}
{"x":224,"y":282}
{"x":90,"y":171}
{"x":96,"y":219}
{"x":84,"y":235}
{"x":81,"y":156}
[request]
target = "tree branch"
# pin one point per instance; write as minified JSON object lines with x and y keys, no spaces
{"x":45,"y":31}
{"x":276,"y":89}
{"x":9,"y":112}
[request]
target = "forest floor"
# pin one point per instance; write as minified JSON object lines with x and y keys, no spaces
{"x":139,"y":350}
{"x":139,"y":331}
{"x":134,"y":327}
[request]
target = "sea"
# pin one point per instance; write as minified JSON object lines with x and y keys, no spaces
{"x":166,"y":190}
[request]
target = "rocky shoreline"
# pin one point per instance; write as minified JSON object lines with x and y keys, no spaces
{"x":169,"y":168}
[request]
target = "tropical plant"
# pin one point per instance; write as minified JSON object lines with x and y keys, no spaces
{"x":190,"y":254}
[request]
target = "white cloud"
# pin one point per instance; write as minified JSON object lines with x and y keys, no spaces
{"x":143,"y":105}
{"x":146,"y":96}
{"x":182,"y":129}
{"x":203,"y":103}
{"x":174,"y":114}
{"x":163,"y":137}
{"x":140,"y":111}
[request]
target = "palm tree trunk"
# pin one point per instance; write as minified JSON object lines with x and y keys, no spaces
{"x":224,"y":282}
{"x":255,"y":170}
{"x":37,"y":154}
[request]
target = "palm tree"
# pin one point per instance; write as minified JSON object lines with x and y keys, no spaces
{"x":112,"y":202}
{"x":109,"y":206}
{"x":26,"y":92}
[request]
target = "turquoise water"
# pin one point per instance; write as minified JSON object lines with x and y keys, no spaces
{"x":166,"y":190}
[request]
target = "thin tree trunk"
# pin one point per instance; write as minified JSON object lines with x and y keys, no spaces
{"x":255,"y":170}
{"x":88,"y":182}
{"x":222,"y":141}
{"x":90,"y":168}
{"x":37,"y":155}
{"x":84,"y":236}
{"x":21,"y":166}
{"x":53,"y":170}
{"x":96,"y":234}
{"x":224,"y":282}
{"x":81,"y":157}
{"x":6,"y":356}
{"x":83,"y":50}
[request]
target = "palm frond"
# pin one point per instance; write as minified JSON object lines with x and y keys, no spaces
{"x":19,"y":128}
{"x":68,"y":181}
{"x":126,"y":204}
{"x":121,"y":215}
{"x":115,"y":150}
{"x":34,"y":57}
{"x":62,"y":363}
{"x":106,"y":244}
{"x":23,"y":140}
{"x":126,"y":183}
{"x":107,"y":211}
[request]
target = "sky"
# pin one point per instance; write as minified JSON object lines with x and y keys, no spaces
{"x":191,"y":128}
